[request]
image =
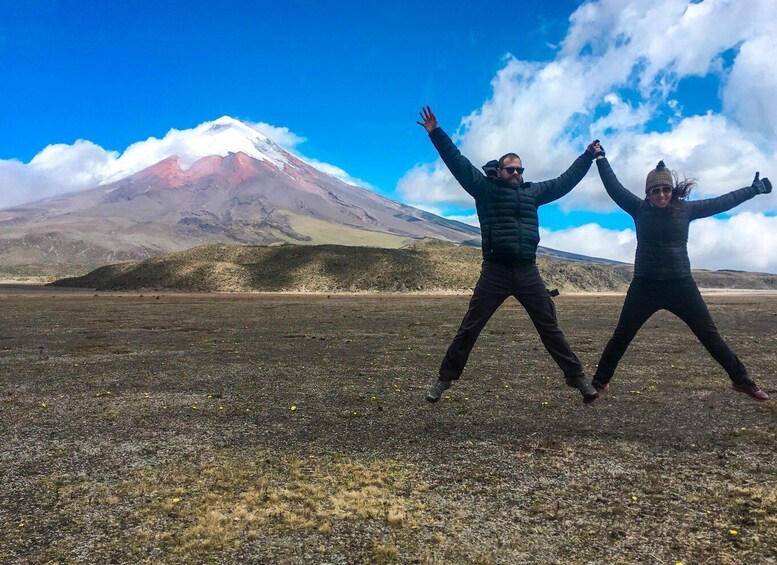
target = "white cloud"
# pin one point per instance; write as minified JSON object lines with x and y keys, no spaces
{"x":218,"y":137}
{"x":471,"y":219}
{"x":58,"y":169}
{"x":280,"y":135}
{"x":616,"y":72}
{"x":335,"y":171}
{"x":594,"y":241}
{"x":621,"y":116}
{"x":742,"y":242}
{"x":719,"y":168}
{"x":289,"y":140}
{"x":750,"y":94}
{"x":426,"y":184}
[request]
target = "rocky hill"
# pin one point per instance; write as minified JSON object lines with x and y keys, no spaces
{"x":425,"y":266}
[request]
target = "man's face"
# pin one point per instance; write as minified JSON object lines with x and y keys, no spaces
{"x":511,"y":171}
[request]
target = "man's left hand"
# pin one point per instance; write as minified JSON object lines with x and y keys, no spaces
{"x":429,"y":122}
{"x":595,"y":149}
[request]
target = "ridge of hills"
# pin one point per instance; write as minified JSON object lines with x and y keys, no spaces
{"x":424,"y":266}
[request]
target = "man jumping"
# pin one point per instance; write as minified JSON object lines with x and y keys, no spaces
{"x":509,"y":226}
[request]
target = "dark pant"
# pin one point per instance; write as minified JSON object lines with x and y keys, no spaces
{"x":682,"y":298}
{"x":498,"y":281}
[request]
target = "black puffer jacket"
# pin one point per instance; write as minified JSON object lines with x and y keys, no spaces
{"x":662,"y":233}
{"x":509,"y":225}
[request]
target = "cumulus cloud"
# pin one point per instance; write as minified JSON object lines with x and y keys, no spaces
{"x":617,"y":77}
{"x":335,"y":171}
{"x":471,"y":219}
{"x":749,"y":94}
{"x":594,"y":241}
{"x":280,"y":135}
{"x":427,"y":185}
{"x":743,"y":242}
{"x":290,"y":140}
{"x":58,"y":169}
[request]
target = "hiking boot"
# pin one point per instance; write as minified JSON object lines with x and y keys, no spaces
{"x":599,"y":386}
{"x":751,"y":389}
{"x":435,"y":391}
{"x":586,"y":389}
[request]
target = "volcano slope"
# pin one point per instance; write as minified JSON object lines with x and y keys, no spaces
{"x":197,"y":428}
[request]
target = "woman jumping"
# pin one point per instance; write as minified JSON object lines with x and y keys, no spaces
{"x":662,"y":271}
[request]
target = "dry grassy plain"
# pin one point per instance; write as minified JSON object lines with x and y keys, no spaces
{"x":198,"y":428}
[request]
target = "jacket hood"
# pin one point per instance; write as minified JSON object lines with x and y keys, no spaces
{"x":490,"y":168}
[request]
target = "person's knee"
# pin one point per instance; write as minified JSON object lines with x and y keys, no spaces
{"x":547,"y":328}
{"x":544,"y":321}
{"x":709,"y":336}
{"x":621,"y":337}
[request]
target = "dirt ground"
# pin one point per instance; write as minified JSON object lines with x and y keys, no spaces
{"x":205,"y":428}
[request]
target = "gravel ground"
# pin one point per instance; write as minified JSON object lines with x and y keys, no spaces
{"x":212,"y":428}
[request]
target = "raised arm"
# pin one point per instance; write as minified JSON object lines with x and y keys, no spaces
{"x":712,"y":206}
{"x":469,"y":177}
{"x":623,"y":197}
{"x":551,"y":190}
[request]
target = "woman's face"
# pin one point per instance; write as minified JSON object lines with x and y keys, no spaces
{"x":660,"y":196}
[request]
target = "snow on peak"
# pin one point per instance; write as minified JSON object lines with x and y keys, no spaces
{"x":228,"y":135}
{"x":226,"y":121}
{"x":219,"y":137}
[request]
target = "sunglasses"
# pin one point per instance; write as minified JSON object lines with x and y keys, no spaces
{"x":655,"y":191}
{"x":512,"y":170}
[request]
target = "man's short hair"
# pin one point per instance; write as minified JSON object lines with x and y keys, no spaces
{"x":505,"y":156}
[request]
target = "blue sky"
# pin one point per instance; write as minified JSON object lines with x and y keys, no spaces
{"x":350,"y":79}
{"x":691,"y":82}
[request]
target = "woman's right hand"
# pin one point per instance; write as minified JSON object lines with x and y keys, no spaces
{"x":595,"y":148}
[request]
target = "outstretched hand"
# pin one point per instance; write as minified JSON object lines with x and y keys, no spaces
{"x":595,"y":149}
{"x":762,"y":186}
{"x":429,"y":119}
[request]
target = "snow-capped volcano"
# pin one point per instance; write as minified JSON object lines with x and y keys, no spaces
{"x":67,"y":168}
{"x":223,"y":182}
{"x":220,"y":137}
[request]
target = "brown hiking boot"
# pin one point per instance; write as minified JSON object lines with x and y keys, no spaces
{"x":600,"y":387}
{"x":750,"y":389}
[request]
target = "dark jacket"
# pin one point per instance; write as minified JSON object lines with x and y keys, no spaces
{"x":509,"y":225}
{"x":662,"y":233}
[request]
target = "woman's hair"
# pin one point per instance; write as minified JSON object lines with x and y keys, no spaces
{"x":682,"y":188}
